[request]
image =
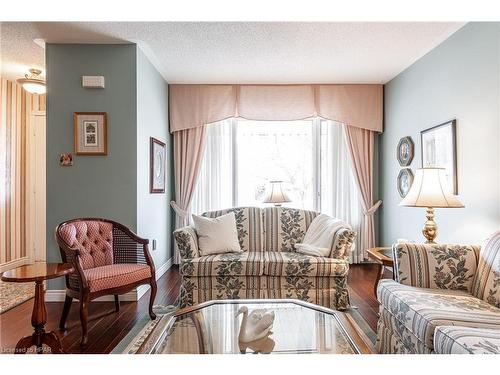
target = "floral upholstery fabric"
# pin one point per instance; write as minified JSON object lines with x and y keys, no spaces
{"x":93,"y":239}
{"x":297,"y":265}
{"x":487,"y":282}
{"x":268,"y":267}
{"x":343,"y":243}
{"x":330,"y":292}
{"x":234,"y":264}
{"x":248,"y":225}
{"x":418,"y":311}
{"x":465,"y":340}
{"x":187,"y":242}
{"x":389,"y":342}
{"x":115,"y":275}
{"x":436,"y":266}
{"x":196,"y":290}
{"x":284,"y":227}
{"x":409,"y":342}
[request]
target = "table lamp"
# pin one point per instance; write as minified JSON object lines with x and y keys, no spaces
{"x":276,"y":194}
{"x":431,"y":190}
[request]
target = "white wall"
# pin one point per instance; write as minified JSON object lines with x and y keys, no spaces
{"x":153,"y":210}
{"x":458,"y":79}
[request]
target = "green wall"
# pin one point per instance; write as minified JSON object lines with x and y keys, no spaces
{"x":109,"y":186}
{"x":458,"y":79}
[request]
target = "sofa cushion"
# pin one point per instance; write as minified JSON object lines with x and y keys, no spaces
{"x":436,"y":266}
{"x":421,"y":310}
{"x":284,"y":227}
{"x":487,"y":282}
{"x":248,"y":225}
{"x":115,"y":275}
{"x":297,"y":265}
{"x":232,"y":264}
{"x":466,"y":340}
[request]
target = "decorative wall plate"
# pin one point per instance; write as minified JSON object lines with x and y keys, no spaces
{"x":405,"y":179}
{"x":405,"y":151}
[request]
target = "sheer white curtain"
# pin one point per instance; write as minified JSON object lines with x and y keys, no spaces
{"x":214,"y":189}
{"x":334,"y":183}
{"x":338,"y":191}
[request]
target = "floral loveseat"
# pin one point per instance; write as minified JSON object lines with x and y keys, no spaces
{"x":268,"y":267}
{"x":446,"y":299}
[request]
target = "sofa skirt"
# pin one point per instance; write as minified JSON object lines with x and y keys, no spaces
{"x":330,"y":292}
{"x":394,"y":338}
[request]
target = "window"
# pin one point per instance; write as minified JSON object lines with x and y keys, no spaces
{"x":274,"y":150}
{"x":311,"y":157}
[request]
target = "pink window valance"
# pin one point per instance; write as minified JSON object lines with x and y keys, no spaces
{"x":359,"y":106}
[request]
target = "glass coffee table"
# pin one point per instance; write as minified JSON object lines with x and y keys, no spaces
{"x":299,"y":327}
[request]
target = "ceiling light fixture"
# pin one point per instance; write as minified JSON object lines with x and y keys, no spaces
{"x":31,"y":83}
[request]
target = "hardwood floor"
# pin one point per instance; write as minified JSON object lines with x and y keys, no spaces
{"x":107,"y":328}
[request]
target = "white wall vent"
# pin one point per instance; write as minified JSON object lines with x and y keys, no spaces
{"x":93,"y":82}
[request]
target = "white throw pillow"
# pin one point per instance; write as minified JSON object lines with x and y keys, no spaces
{"x":218,"y":235}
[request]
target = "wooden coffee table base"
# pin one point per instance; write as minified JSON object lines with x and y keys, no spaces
{"x":38,"y":320}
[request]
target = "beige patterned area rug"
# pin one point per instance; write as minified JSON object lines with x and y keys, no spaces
{"x":13,"y":294}
{"x":141,"y":330}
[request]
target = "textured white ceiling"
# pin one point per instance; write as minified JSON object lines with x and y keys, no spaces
{"x":244,"y":52}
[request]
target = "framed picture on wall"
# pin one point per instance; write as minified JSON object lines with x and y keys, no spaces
{"x":91,"y":133}
{"x":439,"y":149}
{"x":157,"y":158}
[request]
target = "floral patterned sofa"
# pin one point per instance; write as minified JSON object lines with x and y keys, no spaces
{"x":446,"y":299}
{"x":268,"y":267}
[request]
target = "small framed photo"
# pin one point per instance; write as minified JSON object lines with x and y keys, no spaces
{"x":66,"y":160}
{"x":157,"y":162}
{"x":439,"y":149}
{"x":91,"y":133}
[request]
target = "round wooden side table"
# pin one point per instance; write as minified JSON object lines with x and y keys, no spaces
{"x":38,"y":272}
{"x":383,"y":256}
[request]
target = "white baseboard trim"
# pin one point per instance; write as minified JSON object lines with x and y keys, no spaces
{"x":132,"y":296}
{"x":142,"y":289}
{"x":14,"y":263}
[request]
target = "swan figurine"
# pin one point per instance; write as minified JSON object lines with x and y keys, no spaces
{"x":255,"y":326}
{"x":264,"y":345}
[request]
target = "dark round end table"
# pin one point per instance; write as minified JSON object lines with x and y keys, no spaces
{"x":38,"y":272}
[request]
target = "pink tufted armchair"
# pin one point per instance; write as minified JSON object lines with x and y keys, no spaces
{"x":108,"y":258}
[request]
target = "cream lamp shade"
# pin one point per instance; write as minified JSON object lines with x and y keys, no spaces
{"x":276,"y":194}
{"x":430,"y":189}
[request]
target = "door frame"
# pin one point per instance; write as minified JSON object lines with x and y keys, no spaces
{"x":36,"y":189}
